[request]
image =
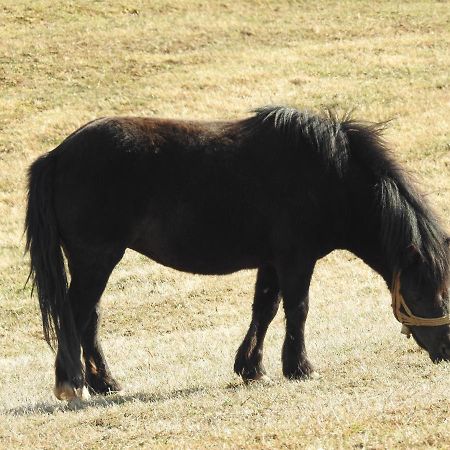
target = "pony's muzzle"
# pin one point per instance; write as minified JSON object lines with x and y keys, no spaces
{"x":444,"y":348}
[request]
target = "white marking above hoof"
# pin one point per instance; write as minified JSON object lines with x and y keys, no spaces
{"x":83,"y":393}
{"x":67,"y":392}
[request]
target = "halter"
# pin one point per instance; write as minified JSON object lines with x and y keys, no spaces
{"x":407,"y":318}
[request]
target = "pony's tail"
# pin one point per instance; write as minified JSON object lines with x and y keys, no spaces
{"x":47,"y":270}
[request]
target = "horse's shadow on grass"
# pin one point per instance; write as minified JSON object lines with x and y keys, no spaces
{"x":113,"y":399}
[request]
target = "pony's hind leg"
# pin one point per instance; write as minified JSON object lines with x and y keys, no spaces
{"x":88,"y":281}
{"x":69,"y":379}
{"x":248,"y":363}
{"x":98,"y":377}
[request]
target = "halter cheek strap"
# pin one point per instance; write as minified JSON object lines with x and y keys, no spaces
{"x":406,"y":317}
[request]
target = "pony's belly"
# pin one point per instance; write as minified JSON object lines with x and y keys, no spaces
{"x":218,"y":264}
{"x":205,"y":252}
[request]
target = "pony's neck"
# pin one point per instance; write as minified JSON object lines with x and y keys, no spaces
{"x":377,"y":262}
{"x":363,"y":237}
{"x":372,"y":254}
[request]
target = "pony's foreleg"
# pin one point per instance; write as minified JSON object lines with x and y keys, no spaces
{"x":98,"y":377}
{"x":294,"y":281}
{"x":248,"y":363}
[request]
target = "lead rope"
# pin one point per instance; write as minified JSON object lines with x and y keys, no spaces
{"x":407,"y":318}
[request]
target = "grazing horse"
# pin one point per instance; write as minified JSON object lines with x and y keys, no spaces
{"x":274,"y":192}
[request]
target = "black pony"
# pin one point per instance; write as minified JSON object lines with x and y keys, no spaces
{"x":276,"y":192}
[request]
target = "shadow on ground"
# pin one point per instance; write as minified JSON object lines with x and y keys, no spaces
{"x":113,"y":399}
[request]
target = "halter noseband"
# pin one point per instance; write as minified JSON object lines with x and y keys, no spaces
{"x":407,"y":318}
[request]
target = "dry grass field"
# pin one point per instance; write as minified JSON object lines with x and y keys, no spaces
{"x":171,"y":337}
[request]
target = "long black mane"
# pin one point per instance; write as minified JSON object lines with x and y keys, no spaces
{"x":405,"y":217}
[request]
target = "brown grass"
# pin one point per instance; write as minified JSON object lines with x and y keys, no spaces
{"x":171,"y":337}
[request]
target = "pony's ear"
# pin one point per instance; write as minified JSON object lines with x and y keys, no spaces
{"x":412,"y":255}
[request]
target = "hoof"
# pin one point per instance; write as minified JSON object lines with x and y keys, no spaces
{"x":301,"y":372}
{"x":67,"y":392}
{"x":303,"y":376}
{"x":106,"y":386}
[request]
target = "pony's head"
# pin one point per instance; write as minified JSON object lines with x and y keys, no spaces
{"x":420,"y":300}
